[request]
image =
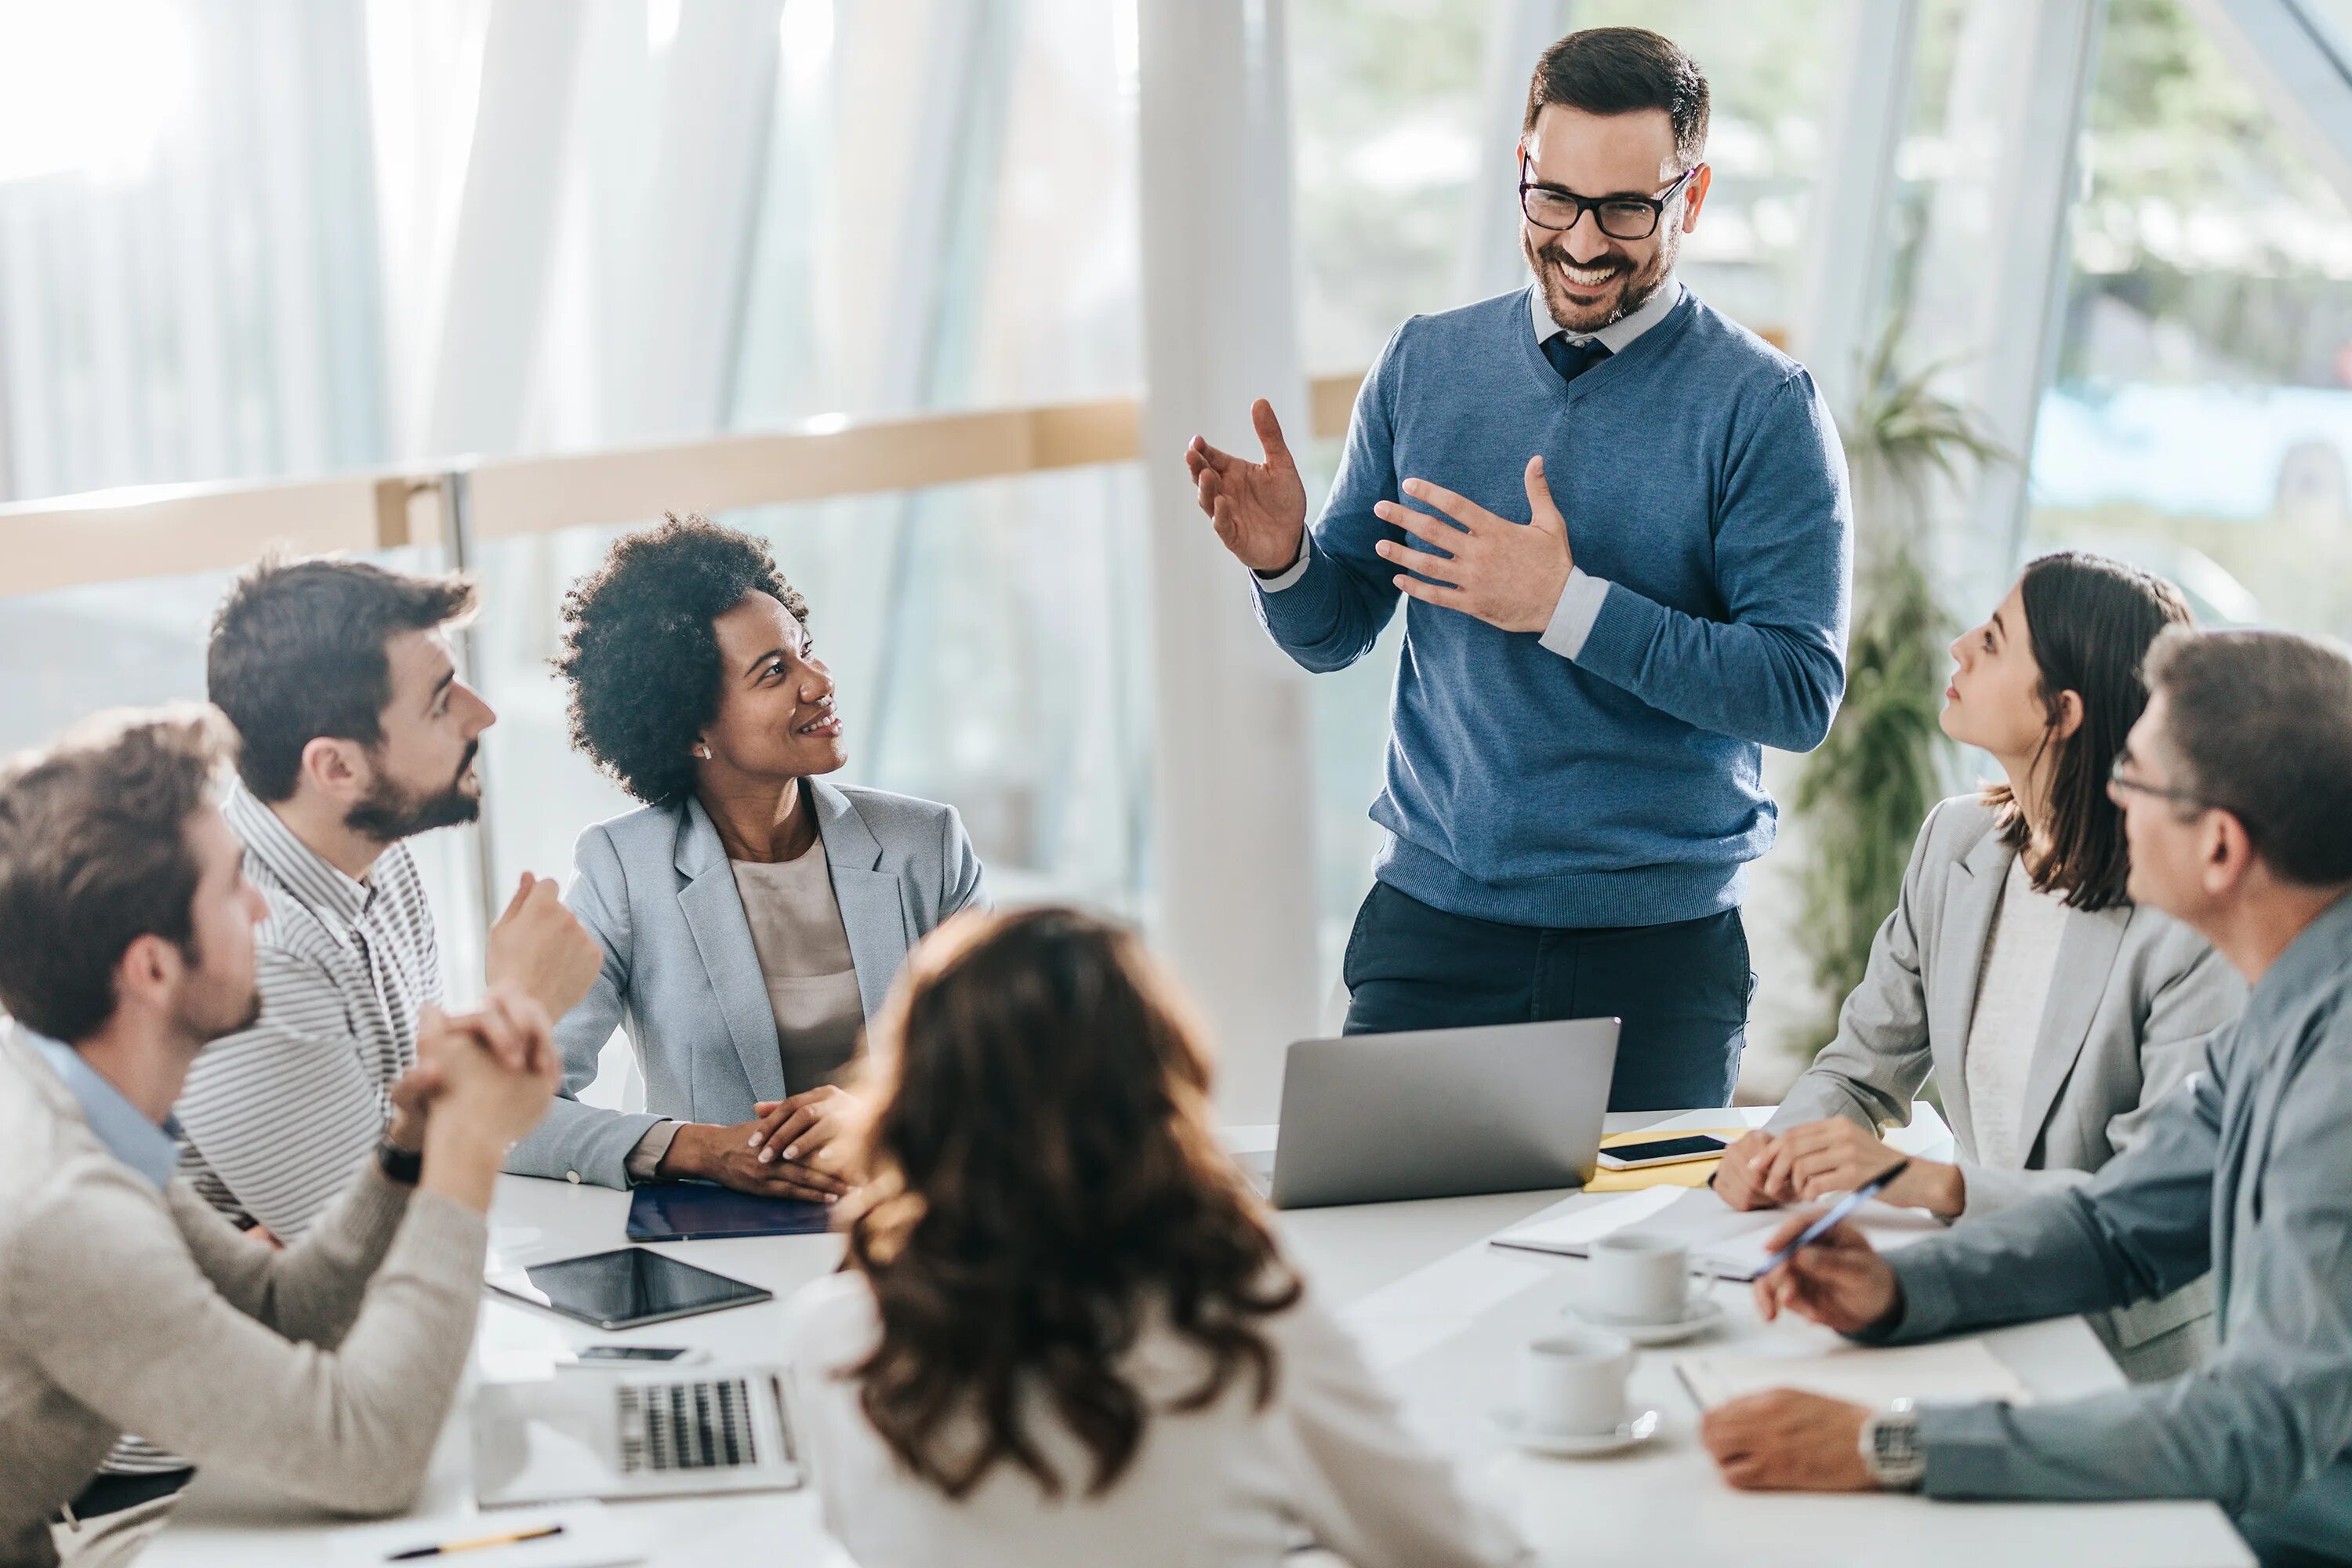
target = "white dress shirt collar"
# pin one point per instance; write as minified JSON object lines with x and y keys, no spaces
{"x":1618,"y":334}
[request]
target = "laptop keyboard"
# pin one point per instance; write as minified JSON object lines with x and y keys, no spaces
{"x":696,"y":1426}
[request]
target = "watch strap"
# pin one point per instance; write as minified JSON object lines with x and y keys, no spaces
{"x":401,"y":1166}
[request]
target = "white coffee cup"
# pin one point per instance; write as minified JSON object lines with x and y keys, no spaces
{"x":1575,"y":1381}
{"x":1638,"y":1278}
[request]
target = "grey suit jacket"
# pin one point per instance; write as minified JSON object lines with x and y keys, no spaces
{"x":656,"y":889}
{"x":2244,"y":1173}
{"x":2134,"y":998}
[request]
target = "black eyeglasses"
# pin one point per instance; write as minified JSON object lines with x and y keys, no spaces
{"x":1618,"y":217}
{"x":2119,"y":780}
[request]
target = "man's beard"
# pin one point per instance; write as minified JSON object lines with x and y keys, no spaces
{"x":390,"y":814}
{"x":205,"y":1018}
{"x":1646,"y":281}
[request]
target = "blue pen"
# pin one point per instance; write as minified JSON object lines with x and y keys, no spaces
{"x":1828,"y":1222}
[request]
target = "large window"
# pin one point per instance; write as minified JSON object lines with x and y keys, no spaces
{"x":2200,"y":422}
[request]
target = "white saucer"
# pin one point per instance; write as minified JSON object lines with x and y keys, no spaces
{"x":1509,"y":1422}
{"x":1701,"y":1314}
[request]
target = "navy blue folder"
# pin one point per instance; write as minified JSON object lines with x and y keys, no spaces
{"x":689,"y":1211}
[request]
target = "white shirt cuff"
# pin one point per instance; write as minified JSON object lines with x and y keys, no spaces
{"x":1572,"y":617}
{"x":1290,"y":575}
{"x":647,"y":1157}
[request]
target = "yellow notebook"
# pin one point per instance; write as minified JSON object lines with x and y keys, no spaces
{"x":1688,"y":1173}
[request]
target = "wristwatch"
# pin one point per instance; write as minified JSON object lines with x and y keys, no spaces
{"x":1890,"y":1448}
{"x":398,"y":1164}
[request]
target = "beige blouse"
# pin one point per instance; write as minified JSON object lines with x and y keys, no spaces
{"x":804,"y":952}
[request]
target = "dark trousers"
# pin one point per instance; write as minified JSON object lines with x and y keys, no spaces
{"x":1682,"y":989}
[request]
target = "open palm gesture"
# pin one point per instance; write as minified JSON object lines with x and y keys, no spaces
{"x":1259,"y":509}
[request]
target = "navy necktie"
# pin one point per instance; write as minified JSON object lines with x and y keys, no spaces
{"x":1572,"y":360}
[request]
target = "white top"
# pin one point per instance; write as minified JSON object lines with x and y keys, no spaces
{"x":1220,"y":1487}
{"x":2012,"y":990}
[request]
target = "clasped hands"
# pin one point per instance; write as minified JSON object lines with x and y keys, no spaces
{"x":790,"y":1148}
{"x":1764,"y":1170}
{"x":1505,"y":574}
{"x":494,"y":1066}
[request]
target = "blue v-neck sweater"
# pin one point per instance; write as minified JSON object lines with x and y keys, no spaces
{"x":1701,"y":479}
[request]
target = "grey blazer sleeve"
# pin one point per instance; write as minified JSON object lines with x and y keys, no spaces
{"x":2140,"y":1227}
{"x":965,"y":886}
{"x":1882,"y":1053}
{"x":2193,"y":997}
{"x":2273,"y":1406}
{"x":576,"y":1142}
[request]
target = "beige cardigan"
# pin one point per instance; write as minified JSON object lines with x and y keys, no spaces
{"x":327,"y":1369}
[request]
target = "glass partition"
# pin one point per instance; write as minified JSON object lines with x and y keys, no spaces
{"x":2200,"y":418}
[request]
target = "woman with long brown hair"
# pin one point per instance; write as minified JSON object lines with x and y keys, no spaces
{"x":2053,"y":1011}
{"x":1064,"y":1331}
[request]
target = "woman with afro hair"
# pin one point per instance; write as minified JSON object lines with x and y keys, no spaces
{"x":752,"y":915}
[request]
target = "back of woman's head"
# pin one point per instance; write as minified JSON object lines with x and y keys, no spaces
{"x":2091,"y":621}
{"x":1044,"y":1182}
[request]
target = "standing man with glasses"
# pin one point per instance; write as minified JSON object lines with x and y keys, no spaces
{"x":1622,"y":523}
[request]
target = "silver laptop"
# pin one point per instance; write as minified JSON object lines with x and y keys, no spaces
{"x":600,"y":1434}
{"x":1440,"y":1114}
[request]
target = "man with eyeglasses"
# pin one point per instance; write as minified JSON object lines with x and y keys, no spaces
{"x":1621,"y":520}
{"x":2236,"y":787}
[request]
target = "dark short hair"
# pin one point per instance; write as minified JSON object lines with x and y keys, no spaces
{"x":298,"y":652}
{"x":2090,"y":621}
{"x":94,"y":854}
{"x":640,"y":652}
{"x":2259,"y":724}
{"x":1624,"y":70}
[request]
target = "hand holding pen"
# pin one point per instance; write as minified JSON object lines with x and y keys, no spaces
{"x":1825,"y":1269}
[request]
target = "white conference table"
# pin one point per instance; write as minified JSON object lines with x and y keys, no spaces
{"x":1440,"y":1312}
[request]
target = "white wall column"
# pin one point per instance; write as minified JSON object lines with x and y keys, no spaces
{"x":505,"y":241}
{"x":1232,"y":843}
{"x":1518,"y":31}
{"x":1843,"y":298}
{"x":1993,"y":272}
{"x":683,"y":300}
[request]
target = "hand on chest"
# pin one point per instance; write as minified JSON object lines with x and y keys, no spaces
{"x":1639,"y":514}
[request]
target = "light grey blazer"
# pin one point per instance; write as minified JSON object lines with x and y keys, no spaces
{"x":2132,"y":1002}
{"x":655,"y":890}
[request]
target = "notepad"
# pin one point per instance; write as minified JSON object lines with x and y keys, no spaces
{"x":1957,"y":1372}
{"x":1726,"y":1242}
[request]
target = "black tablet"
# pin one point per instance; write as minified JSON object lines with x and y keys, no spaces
{"x":629,"y":1287}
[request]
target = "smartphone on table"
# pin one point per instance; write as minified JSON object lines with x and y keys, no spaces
{"x":1668,"y":1151}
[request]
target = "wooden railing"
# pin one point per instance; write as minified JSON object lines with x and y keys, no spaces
{"x":165,"y":529}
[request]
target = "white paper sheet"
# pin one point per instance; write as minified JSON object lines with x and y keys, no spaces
{"x":1956,"y":1371}
{"x":1724,"y":1241}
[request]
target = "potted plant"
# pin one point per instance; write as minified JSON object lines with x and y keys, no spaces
{"x":1866,"y":789}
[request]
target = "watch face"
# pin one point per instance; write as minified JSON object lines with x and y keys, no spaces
{"x":1892,"y":1452}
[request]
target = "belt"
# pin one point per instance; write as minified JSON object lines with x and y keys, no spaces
{"x":110,"y":1493}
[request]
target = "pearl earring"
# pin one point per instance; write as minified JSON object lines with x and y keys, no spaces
{"x":703,"y":752}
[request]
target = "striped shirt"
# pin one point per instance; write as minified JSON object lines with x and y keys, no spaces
{"x":277,"y":1118}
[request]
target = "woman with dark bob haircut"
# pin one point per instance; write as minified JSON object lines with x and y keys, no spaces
{"x":753,"y":915}
{"x":1064,"y":1331}
{"x":2053,"y":1013}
